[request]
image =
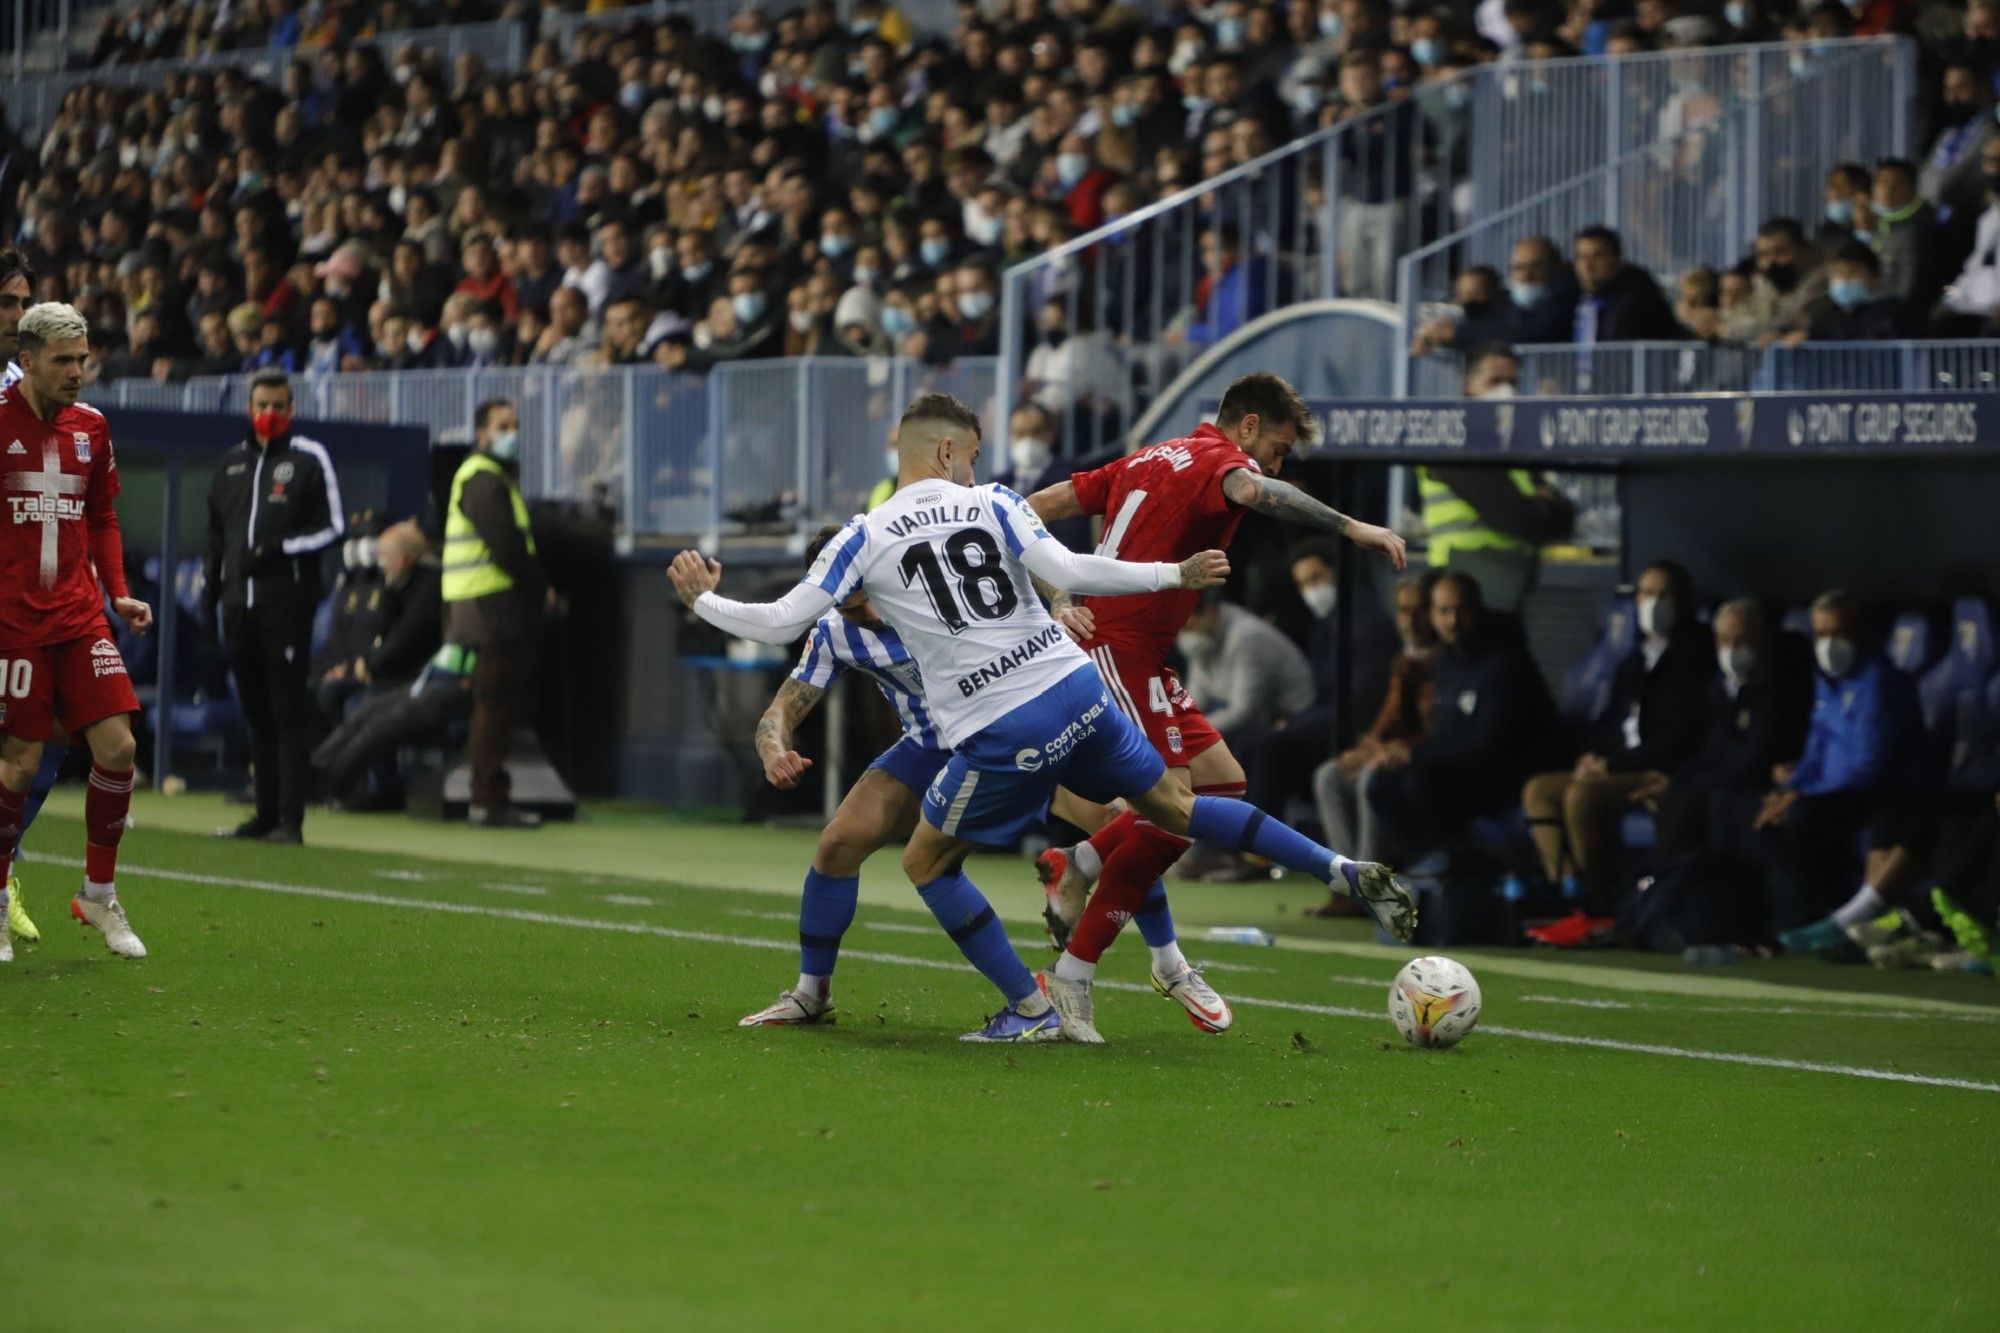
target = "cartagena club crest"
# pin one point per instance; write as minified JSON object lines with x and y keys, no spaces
{"x":82,"y":439}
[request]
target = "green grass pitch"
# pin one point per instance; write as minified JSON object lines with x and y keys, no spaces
{"x":412,"y":1077}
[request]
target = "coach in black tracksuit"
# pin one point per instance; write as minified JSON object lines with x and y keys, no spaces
{"x":273,"y":508}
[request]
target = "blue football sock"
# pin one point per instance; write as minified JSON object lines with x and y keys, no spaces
{"x":970,"y":921}
{"x":45,"y":778}
{"x":826,"y":910}
{"x":1243,"y":826}
{"x":1155,"y":922}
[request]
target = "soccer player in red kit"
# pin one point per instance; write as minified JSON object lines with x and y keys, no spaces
{"x":1166,"y":502}
{"x":58,"y":665}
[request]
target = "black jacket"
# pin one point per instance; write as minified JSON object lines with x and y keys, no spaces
{"x":1634,"y":309}
{"x":1762,"y":724}
{"x":1495,"y":721}
{"x":1672,"y":702}
{"x":271,"y":512}
{"x":412,"y":625}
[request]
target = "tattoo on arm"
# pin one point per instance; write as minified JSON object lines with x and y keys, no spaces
{"x":794,"y":700}
{"x":1282,"y":501}
{"x":1057,"y":598}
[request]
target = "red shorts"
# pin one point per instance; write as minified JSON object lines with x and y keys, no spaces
{"x":77,"y":683}
{"x":1151,"y":695}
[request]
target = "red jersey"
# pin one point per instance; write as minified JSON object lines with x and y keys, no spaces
{"x":1163,"y":503}
{"x":58,"y":481}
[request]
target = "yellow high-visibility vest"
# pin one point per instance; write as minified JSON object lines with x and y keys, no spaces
{"x":1454,"y":525}
{"x":469,"y":570}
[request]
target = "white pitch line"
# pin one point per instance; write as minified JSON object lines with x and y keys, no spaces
{"x":628,"y":900}
{"x":407,"y":876}
{"x":1760,"y":1010}
{"x":526,"y":890}
{"x":948,"y":965}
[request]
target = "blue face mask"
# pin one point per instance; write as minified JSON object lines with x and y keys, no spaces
{"x":1847,"y":293}
{"x":935,"y":251}
{"x":1527,"y":295}
{"x":1737,"y":13}
{"x":697,"y":272}
{"x":896,"y":321}
{"x":1229,"y":33}
{"x":1840,"y":212}
{"x":1125,"y":115}
{"x":1458,"y":97}
{"x":1071,"y":168}
{"x":1330,"y":25}
{"x":835,"y":244}
{"x":506,"y":446}
{"x":749,"y":306}
{"x":974,"y":305}
{"x":1426,"y":51}
{"x":882,"y":119}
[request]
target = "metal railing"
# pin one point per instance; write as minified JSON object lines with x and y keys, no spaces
{"x":1666,"y":368}
{"x":766,"y":448}
{"x":35,"y":22}
{"x":1698,"y":196}
{"x":34,"y":99}
{"x":1334,"y":212}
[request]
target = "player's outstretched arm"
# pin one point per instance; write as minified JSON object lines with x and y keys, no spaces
{"x":696,"y":577}
{"x":1054,"y":563}
{"x":794,"y":701}
{"x":1053,"y":503}
{"x":1288,"y":504}
{"x":1075,"y":618}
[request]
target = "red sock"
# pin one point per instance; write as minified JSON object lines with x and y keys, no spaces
{"x":12,"y":803}
{"x":105,"y":803}
{"x":1233,"y":790}
{"x":1128,"y":877}
{"x":1109,"y":838}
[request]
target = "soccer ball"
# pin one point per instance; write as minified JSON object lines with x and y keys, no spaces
{"x":1434,"y":1002}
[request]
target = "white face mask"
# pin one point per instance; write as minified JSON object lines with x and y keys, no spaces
{"x":1028,"y":455}
{"x":1195,"y":642}
{"x":801,"y":321}
{"x":484,"y":341}
{"x":1834,"y":655}
{"x":1737,"y":663}
{"x":1319,"y":599}
{"x":1656,"y":616}
{"x":1500,"y":390}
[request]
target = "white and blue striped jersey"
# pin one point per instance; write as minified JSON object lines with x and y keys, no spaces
{"x":948,"y":567}
{"x":838,"y":645}
{"x":941,"y":563}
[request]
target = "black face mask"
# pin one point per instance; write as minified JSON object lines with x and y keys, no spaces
{"x":1476,"y":309}
{"x":1955,"y":114}
{"x":1055,"y":337}
{"x":1991,"y":181}
{"x":1782,"y":276}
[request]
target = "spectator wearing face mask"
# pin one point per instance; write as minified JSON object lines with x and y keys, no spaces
{"x":1490,"y":522}
{"x":1538,"y":305}
{"x":972,"y":327}
{"x":755,"y":329}
{"x":1849,"y":210}
{"x":1651,"y":725}
{"x":1862,"y":748}
{"x":1340,"y":785}
{"x":1950,"y":173}
{"x":1759,"y":698}
{"x":1031,"y":437}
{"x":1856,"y":308}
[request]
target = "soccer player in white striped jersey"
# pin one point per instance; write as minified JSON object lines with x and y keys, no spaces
{"x":948,"y":565}
{"x":882,"y":807}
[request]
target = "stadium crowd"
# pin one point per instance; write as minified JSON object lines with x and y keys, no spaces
{"x":814,"y":185}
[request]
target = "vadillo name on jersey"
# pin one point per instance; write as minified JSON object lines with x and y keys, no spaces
{"x":1030,"y":759}
{"x":936,"y":515}
{"x":975,"y":681}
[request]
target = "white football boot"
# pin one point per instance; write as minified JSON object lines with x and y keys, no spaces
{"x":791,"y":1010}
{"x":109,"y":918}
{"x":1072,"y":1000}
{"x":1206,"y":1009}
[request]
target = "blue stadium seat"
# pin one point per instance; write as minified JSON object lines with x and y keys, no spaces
{"x":1587,"y":686}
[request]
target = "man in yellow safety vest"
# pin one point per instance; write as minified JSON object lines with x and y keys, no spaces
{"x":1489,"y":523}
{"x":495,"y":595}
